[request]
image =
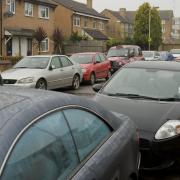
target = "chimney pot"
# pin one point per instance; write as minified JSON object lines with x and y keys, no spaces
{"x":89,"y":4}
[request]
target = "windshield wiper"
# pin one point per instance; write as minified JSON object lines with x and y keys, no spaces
{"x":169,"y":99}
{"x":131,"y":96}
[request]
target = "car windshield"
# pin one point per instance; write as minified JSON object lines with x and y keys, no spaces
{"x":175,"y":51}
{"x":121,"y":52}
{"x":82,"y":58}
{"x":148,"y":54}
{"x":151,"y":83}
{"x":33,"y":63}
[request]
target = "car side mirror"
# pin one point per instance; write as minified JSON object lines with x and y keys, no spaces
{"x":1,"y":80}
{"x":51,"y":67}
{"x":97,"y":87}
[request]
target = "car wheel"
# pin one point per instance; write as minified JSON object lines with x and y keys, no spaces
{"x":76,"y":82}
{"x":108,"y":75}
{"x":41,"y":84}
{"x":92,"y":79}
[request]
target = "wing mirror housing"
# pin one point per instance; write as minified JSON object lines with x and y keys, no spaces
{"x":97,"y":87}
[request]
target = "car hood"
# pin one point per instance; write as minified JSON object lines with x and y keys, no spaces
{"x":85,"y":66}
{"x":148,"y":115}
{"x":21,"y":73}
{"x":176,"y":55}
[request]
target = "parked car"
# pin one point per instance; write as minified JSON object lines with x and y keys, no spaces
{"x":123,"y":54}
{"x":151,"y":55}
{"x":166,"y":56}
{"x":175,"y":52}
{"x":44,"y":72}
{"x":94,"y":65}
{"x":50,"y":135}
{"x":149,"y":93}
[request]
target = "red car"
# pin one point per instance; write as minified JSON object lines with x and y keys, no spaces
{"x":123,"y":54}
{"x":94,"y":65}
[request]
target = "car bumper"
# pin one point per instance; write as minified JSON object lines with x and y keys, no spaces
{"x":28,"y":85}
{"x":157,"y":156}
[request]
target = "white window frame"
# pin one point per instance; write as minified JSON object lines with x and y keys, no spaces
{"x":29,"y":8}
{"x":43,"y":8}
{"x":101,"y":26}
{"x":10,"y":4}
{"x":163,"y":22}
{"x":46,"y":41}
{"x":76,"y":21}
{"x":94,"y":24}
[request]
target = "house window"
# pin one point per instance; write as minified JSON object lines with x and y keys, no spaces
{"x":163,"y":30}
{"x":44,"y":12}
{"x":45,"y":45}
{"x":85,"y":22}
{"x":95,"y":25}
{"x":101,"y":25}
{"x":163,"y":22}
{"x":28,"y":9}
{"x":76,"y":21}
{"x":11,"y":6}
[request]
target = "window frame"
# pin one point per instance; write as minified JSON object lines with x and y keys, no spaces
{"x":69,"y":61}
{"x":40,"y":8}
{"x":76,"y":21}
{"x":26,"y":5}
{"x":31,"y":123}
{"x":46,"y":40}
{"x":9,"y":6}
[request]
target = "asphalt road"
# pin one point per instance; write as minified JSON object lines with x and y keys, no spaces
{"x":86,"y":90}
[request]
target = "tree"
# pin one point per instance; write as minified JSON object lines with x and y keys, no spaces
{"x":58,"y":39}
{"x":141,"y":27}
{"x":39,"y":35}
{"x":75,"y":37}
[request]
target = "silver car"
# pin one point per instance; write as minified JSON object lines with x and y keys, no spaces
{"x":44,"y":72}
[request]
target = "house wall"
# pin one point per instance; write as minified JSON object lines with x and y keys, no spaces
{"x":114,"y":29}
{"x":19,"y":20}
{"x":166,"y":35}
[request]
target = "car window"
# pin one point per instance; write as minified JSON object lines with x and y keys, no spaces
{"x":88,"y":130}
{"x":97,"y":58}
{"x":65,"y":62}
{"x":55,"y":62}
{"x":102,"y":56}
{"x":45,"y":152}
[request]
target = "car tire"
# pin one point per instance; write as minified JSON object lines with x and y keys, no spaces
{"x":92,"y":79}
{"x":108,"y":75}
{"x":76,"y":82}
{"x":41,"y":84}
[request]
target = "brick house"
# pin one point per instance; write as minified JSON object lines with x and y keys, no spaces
{"x":120,"y":24}
{"x":72,"y":16}
{"x":19,"y":19}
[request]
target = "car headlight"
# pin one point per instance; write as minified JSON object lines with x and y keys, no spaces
{"x":84,"y":70}
{"x":169,"y":129}
{"x":26,"y":80}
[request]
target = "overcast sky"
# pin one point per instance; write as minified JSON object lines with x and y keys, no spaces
{"x":99,"y":5}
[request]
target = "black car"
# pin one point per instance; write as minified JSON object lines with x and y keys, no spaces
{"x":149,"y":93}
{"x":49,"y":136}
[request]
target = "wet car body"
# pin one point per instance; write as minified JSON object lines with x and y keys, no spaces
{"x":149,"y":115}
{"x":122,"y":55}
{"x":22,"y":110}
{"x":94,"y":65}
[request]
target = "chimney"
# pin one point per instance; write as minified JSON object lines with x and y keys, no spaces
{"x":122,"y":12}
{"x":89,"y":4}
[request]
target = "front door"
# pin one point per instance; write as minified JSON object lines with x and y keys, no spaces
{"x":29,"y":46}
{"x":9,"y":48}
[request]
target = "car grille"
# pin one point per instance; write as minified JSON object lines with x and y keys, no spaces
{"x":9,"y":81}
{"x":144,"y":143}
{"x":114,"y":64}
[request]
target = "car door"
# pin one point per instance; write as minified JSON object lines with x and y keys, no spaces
{"x":54,"y":73}
{"x":68,"y":70}
{"x":105,"y":65}
{"x":98,"y":66}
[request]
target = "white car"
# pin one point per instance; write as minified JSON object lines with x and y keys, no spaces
{"x":44,"y":72}
{"x":151,"y":55}
{"x":175,"y":52}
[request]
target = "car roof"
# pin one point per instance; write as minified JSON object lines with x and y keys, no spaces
{"x":93,"y":53}
{"x":46,"y":55}
{"x":20,"y":106}
{"x":163,"y":65}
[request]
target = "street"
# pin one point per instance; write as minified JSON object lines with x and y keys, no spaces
{"x":86,"y":90}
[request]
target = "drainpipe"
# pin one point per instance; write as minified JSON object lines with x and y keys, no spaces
{"x":1,"y":25}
